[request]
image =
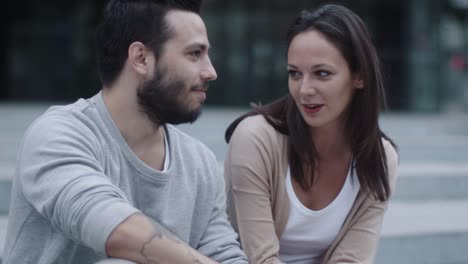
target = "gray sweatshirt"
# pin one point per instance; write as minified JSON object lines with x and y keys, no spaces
{"x":77,"y":179}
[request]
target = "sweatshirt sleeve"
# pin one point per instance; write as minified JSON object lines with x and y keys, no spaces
{"x":219,"y":240}
{"x":60,"y":175}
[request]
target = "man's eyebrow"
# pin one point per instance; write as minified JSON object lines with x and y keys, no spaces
{"x":198,"y":45}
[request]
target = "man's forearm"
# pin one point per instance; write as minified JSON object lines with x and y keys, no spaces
{"x":142,"y":240}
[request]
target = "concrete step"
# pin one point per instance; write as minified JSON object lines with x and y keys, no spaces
{"x":433,"y":232}
{"x":417,"y":181}
{"x":6,"y":174}
{"x":422,"y":181}
{"x":412,"y":233}
{"x":438,"y":248}
{"x":426,"y":221}
{"x":3,"y":229}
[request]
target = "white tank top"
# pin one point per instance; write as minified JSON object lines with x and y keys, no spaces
{"x":308,"y":233}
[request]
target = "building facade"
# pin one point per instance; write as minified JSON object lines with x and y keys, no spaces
{"x":48,"y":53}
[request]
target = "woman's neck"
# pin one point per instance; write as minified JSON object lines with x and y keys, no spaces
{"x":330,"y":142}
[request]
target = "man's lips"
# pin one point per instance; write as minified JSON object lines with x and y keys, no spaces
{"x":200,"y":88}
{"x":201,"y":91}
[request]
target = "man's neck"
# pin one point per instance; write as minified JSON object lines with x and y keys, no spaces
{"x":136,"y":128}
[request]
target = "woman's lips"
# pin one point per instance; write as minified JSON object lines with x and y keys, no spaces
{"x":312,"y":108}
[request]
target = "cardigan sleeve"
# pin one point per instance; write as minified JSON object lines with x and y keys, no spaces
{"x":248,"y":167}
{"x":359,"y":244}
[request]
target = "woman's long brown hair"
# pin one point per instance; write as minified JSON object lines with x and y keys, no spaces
{"x":349,"y":34}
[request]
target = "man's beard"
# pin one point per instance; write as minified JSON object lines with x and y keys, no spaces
{"x":161,"y":100}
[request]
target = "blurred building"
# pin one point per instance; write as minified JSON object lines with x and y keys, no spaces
{"x":47,"y":52}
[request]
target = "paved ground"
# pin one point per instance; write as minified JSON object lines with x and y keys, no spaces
{"x":427,"y":221}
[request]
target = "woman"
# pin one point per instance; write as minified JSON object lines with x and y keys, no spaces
{"x":309,"y":175}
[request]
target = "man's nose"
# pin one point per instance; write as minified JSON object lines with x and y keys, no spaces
{"x":209,"y":72}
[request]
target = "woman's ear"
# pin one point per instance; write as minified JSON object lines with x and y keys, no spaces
{"x":358,"y":82}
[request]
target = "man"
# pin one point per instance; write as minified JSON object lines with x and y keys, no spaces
{"x":109,"y":176}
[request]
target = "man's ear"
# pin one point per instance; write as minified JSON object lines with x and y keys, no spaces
{"x":140,"y":58}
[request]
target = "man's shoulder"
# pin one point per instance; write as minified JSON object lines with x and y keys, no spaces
{"x":62,"y":119}
{"x":79,"y":107}
{"x":186,"y":142}
{"x":190,"y":154}
{"x":66,"y":110}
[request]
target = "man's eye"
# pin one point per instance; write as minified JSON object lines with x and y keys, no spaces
{"x":195,"y":53}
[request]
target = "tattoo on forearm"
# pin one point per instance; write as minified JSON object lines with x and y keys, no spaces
{"x":164,"y":233}
{"x":195,"y":260}
{"x":148,"y":259}
{"x":159,"y":233}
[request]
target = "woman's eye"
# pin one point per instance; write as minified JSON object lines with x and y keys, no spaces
{"x":293,"y":74}
{"x":322,"y":74}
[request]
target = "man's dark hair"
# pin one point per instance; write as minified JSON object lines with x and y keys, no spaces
{"x":127,"y":21}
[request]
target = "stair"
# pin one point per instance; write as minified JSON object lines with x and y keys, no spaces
{"x":429,"y":232}
{"x":427,"y":218}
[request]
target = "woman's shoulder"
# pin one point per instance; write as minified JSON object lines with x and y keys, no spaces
{"x":392,"y":161}
{"x":256,"y":125}
{"x":256,"y":131}
{"x":256,"y":121}
{"x":390,"y":150}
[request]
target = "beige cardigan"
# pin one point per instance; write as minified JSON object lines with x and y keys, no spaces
{"x":258,"y":205}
